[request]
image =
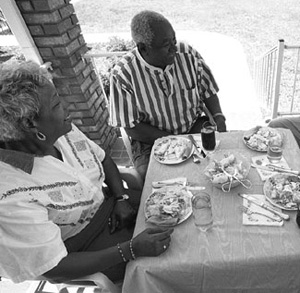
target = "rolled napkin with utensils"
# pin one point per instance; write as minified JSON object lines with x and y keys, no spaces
{"x":177,"y":182}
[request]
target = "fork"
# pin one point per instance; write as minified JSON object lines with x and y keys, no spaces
{"x":248,"y":211}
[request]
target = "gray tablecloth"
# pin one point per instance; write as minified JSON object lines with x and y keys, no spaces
{"x":230,"y":258}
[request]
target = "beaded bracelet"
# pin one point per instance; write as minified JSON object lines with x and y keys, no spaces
{"x":121,"y":252}
{"x":131,"y":250}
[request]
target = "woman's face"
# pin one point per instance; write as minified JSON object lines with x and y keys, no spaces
{"x":53,"y":121}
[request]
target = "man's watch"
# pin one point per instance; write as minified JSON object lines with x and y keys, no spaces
{"x":122,"y":197}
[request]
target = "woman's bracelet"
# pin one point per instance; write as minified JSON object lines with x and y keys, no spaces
{"x":219,"y":114}
{"x":131,"y":249}
{"x":121,"y":252}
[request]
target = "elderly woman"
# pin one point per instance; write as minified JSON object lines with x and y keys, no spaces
{"x":55,"y":219}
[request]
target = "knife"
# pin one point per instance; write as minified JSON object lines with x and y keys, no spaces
{"x":265,"y":206}
{"x":272,"y":168}
{"x":198,"y":153}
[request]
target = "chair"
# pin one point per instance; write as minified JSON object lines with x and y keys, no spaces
{"x":127,"y":143}
{"x":97,"y":283}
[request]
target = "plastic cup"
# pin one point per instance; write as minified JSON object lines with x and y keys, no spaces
{"x":274,"y":152}
{"x":202,"y":211}
{"x":208,"y":136}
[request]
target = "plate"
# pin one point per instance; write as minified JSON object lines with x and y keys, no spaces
{"x":281,"y":190}
{"x":172,"y":149}
{"x":168,"y":206}
{"x":257,"y":138}
{"x":228,"y":161}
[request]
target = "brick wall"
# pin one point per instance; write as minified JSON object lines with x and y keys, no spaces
{"x":56,"y":32}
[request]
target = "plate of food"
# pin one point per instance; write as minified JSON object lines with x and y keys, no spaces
{"x":172,"y":149}
{"x":283,"y":191}
{"x":257,"y":138}
{"x":168,"y":206}
{"x":227,"y":170}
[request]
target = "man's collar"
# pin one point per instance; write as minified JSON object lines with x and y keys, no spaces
{"x":146,"y":64}
{"x":20,"y":160}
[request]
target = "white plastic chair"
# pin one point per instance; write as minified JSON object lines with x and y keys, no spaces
{"x":97,"y":283}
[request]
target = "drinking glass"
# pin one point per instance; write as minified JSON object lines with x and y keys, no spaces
{"x":202,"y":211}
{"x":208,"y":136}
{"x":274,"y":153}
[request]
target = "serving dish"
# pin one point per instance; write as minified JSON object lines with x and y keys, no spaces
{"x":227,"y":170}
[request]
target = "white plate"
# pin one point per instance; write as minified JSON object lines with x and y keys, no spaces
{"x":264,"y":139}
{"x":276,"y":180}
{"x":177,"y":149}
{"x":157,"y":203}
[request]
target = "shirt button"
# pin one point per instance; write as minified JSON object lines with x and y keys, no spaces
{"x":75,"y":173}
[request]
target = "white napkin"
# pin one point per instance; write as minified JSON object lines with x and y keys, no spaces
{"x":258,"y":219}
{"x":263,"y":161}
{"x":174,"y":182}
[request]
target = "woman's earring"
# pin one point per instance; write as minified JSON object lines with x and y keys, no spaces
{"x":40,"y":136}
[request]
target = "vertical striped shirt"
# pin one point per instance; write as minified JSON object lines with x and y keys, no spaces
{"x":169,"y":99}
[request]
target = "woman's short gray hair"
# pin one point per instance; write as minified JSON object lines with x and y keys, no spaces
{"x":142,"y":26}
{"x":19,"y":99}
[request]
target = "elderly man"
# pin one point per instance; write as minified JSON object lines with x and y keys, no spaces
{"x":160,"y":88}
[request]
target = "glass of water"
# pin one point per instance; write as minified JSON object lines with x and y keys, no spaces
{"x":202,"y":211}
{"x":274,"y":153}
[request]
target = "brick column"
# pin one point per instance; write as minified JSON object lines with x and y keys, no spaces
{"x":55,"y":30}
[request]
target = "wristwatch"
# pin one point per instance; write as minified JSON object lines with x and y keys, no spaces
{"x":122,"y":197}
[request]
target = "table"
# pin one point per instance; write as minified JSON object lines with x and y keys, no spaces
{"x":231,"y":257}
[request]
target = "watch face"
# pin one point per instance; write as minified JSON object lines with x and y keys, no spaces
{"x":125,"y":196}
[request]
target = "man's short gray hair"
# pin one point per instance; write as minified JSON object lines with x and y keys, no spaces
{"x":19,"y":99}
{"x":142,"y":26}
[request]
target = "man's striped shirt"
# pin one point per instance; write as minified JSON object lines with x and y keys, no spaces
{"x":170,"y":99}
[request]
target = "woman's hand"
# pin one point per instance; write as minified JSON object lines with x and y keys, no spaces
{"x":152,"y":242}
{"x":123,"y":215}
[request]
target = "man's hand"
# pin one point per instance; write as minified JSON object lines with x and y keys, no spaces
{"x":221,"y":125}
{"x":123,"y":215}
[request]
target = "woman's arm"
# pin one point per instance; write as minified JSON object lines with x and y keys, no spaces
{"x":112,"y":177}
{"x":150,"y":242}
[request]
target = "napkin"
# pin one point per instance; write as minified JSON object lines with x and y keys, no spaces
{"x":259,"y":215}
{"x":263,"y":161}
{"x":176,"y":182}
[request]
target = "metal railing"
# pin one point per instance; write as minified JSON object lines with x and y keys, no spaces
{"x":277,"y":79}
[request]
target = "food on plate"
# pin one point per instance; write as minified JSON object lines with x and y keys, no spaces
{"x":258,"y":138}
{"x":226,"y":167}
{"x":283,"y":190}
{"x":168,"y":206}
{"x":172,"y":149}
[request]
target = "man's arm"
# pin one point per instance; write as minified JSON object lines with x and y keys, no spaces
{"x":214,"y":107}
{"x":145,"y":133}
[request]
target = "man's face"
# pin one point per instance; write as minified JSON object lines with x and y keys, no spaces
{"x":163,"y":48}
